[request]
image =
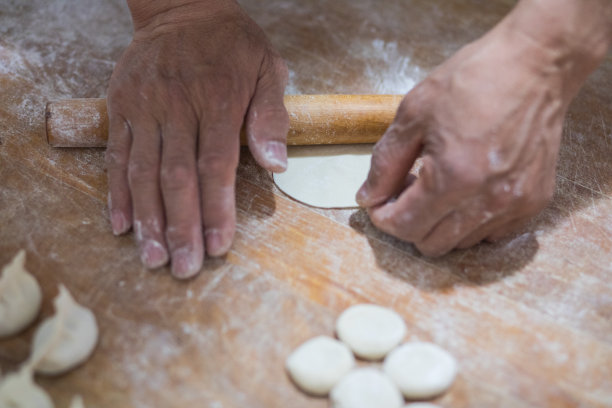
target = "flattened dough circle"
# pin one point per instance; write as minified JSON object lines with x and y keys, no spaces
{"x":371,"y":331}
{"x":366,"y":388}
{"x":318,"y":364}
{"x":421,"y":370}
{"x":325,"y":176}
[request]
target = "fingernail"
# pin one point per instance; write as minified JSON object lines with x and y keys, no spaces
{"x":118,"y":222}
{"x":216,"y":245}
{"x":153,"y":254}
{"x":276,"y":155}
{"x":185,"y":263}
{"x":362,"y":195}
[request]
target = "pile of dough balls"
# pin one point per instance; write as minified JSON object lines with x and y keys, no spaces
{"x":61,"y":342}
{"x":415,"y":370}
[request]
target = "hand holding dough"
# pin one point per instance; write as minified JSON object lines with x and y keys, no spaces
{"x":66,"y":339}
{"x":20,"y":297}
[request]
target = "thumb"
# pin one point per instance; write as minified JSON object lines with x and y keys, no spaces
{"x":393,"y":157}
{"x":267,"y":121}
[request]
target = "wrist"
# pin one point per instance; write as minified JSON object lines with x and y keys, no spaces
{"x":573,"y":36}
{"x":151,"y":15}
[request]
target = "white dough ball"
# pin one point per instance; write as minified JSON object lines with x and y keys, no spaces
{"x":421,"y":370}
{"x":20,"y":297}
{"x":366,"y":388}
{"x":18,"y":390}
{"x":371,"y":331}
{"x":318,"y":364}
{"x":77,"y":402}
{"x":66,"y":339}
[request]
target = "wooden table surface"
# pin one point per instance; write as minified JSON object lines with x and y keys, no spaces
{"x":529,"y":319}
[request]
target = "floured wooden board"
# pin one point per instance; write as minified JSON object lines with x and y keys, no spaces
{"x":529,"y":319}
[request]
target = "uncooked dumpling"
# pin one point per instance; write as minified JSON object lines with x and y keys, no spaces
{"x":18,"y":390}
{"x":20,"y":297}
{"x":366,"y":388}
{"x":318,"y":364}
{"x":325,"y":176}
{"x":421,"y":370}
{"x":371,"y":331}
{"x":66,"y":339}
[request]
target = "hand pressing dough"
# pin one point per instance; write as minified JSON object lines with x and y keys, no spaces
{"x":421,"y":370}
{"x":318,"y":364}
{"x":18,"y":390}
{"x":366,"y":388}
{"x":20,"y":297}
{"x":371,"y":331}
{"x":325,"y":176}
{"x":66,"y":339}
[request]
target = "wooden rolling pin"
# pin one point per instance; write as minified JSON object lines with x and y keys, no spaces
{"x":314,"y":119}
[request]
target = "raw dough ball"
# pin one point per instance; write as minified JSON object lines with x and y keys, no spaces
{"x":18,"y":390}
{"x":325,"y":176}
{"x":421,"y":370}
{"x":20,"y":297}
{"x":366,"y":388}
{"x":318,"y":364}
{"x":77,"y":402}
{"x":371,"y":331}
{"x":66,"y":339}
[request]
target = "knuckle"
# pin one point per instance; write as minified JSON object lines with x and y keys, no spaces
{"x":182,"y":235}
{"x":141,"y":172}
{"x":115,"y":158}
{"x":461,"y":175}
{"x":216,"y":165}
{"x":280,"y":68}
{"x":177,"y":174}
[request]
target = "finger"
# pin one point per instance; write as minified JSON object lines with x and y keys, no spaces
{"x":450,"y":231}
{"x":267,"y":121}
{"x":492,"y":230}
{"x":507,"y":229}
{"x":217,"y":163}
{"x":415,"y":212}
{"x":117,"y":158}
{"x":143,"y":177}
{"x":393,"y":157}
{"x":180,"y":192}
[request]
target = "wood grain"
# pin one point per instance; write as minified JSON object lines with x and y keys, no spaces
{"x":313,"y":120}
{"x":529,"y":318}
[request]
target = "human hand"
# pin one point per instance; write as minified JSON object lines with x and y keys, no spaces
{"x":488,"y":125}
{"x":177,"y":100}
